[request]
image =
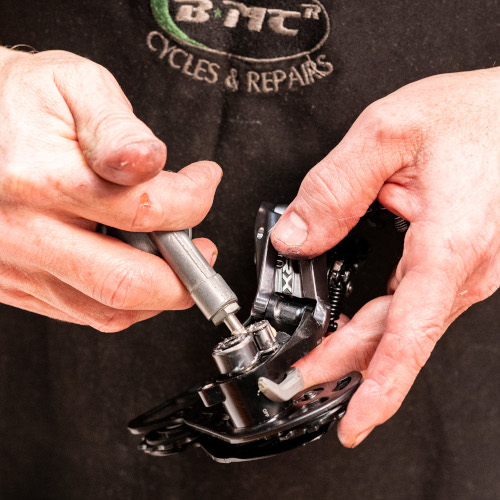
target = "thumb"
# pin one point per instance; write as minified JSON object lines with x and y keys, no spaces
{"x":337,"y":192}
{"x":116,"y":144}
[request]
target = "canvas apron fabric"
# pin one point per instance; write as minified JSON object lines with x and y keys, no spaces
{"x":266,"y":89}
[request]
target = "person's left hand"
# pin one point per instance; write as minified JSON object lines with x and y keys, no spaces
{"x":430,"y":154}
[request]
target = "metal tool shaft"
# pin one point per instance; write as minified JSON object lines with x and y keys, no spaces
{"x":208,"y":289}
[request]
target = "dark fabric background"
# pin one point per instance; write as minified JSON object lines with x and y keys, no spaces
{"x":67,"y":392}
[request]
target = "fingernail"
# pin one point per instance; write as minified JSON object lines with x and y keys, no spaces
{"x":214,"y":258}
{"x":352,"y":443}
{"x":291,"y":230}
{"x":122,"y":163}
{"x":140,"y":146}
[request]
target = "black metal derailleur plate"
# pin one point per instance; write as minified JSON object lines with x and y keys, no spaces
{"x":163,"y":429}
{"x":171,"y":428}
{"x":305,"y":409}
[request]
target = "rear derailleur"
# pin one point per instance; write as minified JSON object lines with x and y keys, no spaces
{"x":233,"y":417}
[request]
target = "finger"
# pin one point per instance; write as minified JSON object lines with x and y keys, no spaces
{"x":342,"y":321}
{"x":110,"y":271}
{"x":339,"y":190}
{"x":74,"y":307}
{"x":27,"y":302}
{"x":417,"y":317}
{"x":44,"y":294}
{"x":169,"y":201}
{"x":348,"y":349}
{"x":123,"y":277}
{"x":116,"y":144}
{"x":85,"y":310}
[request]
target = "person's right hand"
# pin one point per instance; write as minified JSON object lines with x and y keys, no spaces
{"x":73,"y":154}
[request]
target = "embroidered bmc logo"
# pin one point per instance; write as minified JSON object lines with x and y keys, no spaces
{"x":260,"y":31}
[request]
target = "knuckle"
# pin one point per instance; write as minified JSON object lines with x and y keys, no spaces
{"x":465,"y":249}
{"x":386,"y":124}
{"x":376,"y":117}
{"x":318,"y":188}
{"x":334,"y":190}
{"x":426,"y":342}
{"x":58,"y":57}
{"x":18,"y":72}
{"x":377,"y":111}
{"x":199,"y":211}
{"x":102,"y":80}
{"x":120,"y":287}
{"x":486,"y":289}
{"x":321,"y":192}
{"x":207,"y":173}
{"x":22,"y":186}
{"x":104,"y":118}
{"x":213,"y":174}
{"x":179,"y":220}
{"x":395,"y":352}
{"x":386,"y":397}
{"x":184,"y":301}
{"x":114,"y":321}
{"x":415,"y":352}
{"x":481,"y":242}
{"x":68,"y":67}
{"x":484,"y":283}
{"x":81,"y":67}
{"x":146,"y":218}
{"x":199,"y":180}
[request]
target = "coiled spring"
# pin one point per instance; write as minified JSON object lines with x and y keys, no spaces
{"x":336,"y":292}
{"x":401,"y":224}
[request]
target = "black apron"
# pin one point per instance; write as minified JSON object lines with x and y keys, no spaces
{"x":266,"y":89}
